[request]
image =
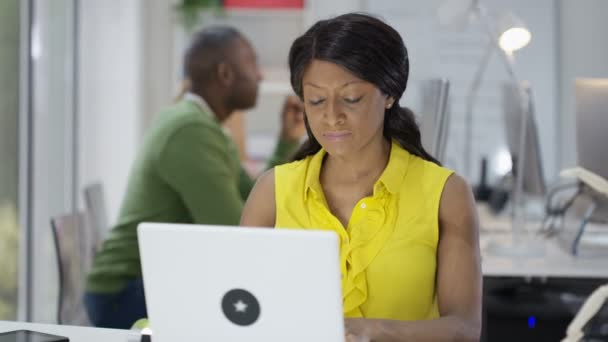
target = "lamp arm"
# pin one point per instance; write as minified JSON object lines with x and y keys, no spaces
{"x":470,"y":104}
{"x":491,"y":33}
{"x":518,"y":220}
{"x":481,"y":13}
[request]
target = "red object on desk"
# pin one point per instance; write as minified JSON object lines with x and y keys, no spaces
{"x":264,"y":4}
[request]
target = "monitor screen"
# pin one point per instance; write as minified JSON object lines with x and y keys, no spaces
{"x":592,"y":125}
{"x":516,"y":100}
{"x":592,"y":131}
{"x":434,"y":121}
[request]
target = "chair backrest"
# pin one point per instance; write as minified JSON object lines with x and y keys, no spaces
{"x":435,"y":119}
{"x":96,"y":208}
{"x":69,"y":234}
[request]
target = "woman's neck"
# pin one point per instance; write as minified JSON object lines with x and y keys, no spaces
{"x":367,"y":163}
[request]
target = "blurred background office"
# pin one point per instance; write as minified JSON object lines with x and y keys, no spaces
{"x":81,"y":80}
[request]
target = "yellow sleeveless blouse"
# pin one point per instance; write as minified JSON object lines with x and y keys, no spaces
{"x":389,"y":248}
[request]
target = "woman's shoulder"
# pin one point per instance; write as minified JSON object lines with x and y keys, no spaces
{"x":434,"y":168}
{"x":290,"y":178}
{"x":294,"y":166}
{"x":424,"y":175}
{"x":423,"y":168}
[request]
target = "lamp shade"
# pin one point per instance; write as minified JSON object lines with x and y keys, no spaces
{"x":512,"y":33}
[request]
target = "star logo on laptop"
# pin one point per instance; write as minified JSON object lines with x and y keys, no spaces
{"x":240,"y":306}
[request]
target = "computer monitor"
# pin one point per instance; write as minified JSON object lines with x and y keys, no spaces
{"x":515,"y":101}
{"x":591,"y":96}
{"x":592,"y":124}
{"x":434,"y":121}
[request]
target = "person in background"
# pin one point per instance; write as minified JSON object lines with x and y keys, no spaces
{"x":409,"y":249}
{"x":188,"y":170}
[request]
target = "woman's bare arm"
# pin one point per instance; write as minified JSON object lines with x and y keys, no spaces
{"x":260,"y":208}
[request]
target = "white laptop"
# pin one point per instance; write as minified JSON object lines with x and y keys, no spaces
{"x":222,"y":283}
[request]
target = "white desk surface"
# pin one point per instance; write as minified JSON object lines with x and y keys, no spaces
{"x":556,"y":261}
{"x":74,"y":333}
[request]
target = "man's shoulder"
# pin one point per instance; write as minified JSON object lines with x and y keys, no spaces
{"x":185,"y":113}
{"x":183,"y":116}
{"x":181,"y":123}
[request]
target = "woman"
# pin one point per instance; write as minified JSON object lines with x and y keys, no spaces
{"x":408,"y":227}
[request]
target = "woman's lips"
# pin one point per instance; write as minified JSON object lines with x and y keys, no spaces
{"x":337,"y":135}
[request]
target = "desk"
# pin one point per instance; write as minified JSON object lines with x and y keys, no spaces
{"x":556,"y":262}
{"x":74,"y":333}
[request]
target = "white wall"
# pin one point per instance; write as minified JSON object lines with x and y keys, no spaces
{"x":110,"y":94}
{"x":156,"y":44}
{"x":583,"y":53}
{"x":51,"y":142}
{"x":125,"y":79}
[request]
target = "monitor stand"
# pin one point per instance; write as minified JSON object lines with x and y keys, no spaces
{"x":523,"y":243}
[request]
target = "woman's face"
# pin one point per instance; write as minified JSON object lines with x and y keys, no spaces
{"x":345,"y":113}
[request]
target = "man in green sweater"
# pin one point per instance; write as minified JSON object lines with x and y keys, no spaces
{"x":187,"y":171}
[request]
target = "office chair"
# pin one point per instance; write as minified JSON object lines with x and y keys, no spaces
{"x":71,"y":250}
{"x":96,"y":208}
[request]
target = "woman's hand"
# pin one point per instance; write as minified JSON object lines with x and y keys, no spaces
{"x":353,"y":338}
{"x":357,"y":329}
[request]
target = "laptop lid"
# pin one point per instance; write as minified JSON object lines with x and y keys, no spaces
{"x":222,"y":283}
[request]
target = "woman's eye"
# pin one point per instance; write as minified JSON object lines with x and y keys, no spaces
{"x":352,"y":100}
{"x":315,"y":102}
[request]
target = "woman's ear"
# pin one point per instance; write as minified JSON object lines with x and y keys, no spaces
{"x":389,"y":102}
{"x":225,"y":74}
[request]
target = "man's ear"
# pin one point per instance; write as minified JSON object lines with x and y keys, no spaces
{"x":225,"y":74}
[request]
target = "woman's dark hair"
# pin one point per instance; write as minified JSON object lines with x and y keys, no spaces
{"x":371,"y":50}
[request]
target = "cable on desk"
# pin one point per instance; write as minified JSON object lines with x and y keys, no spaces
{"x":554,"y":214}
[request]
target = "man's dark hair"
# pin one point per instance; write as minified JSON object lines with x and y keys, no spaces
{"x":208,"y":48}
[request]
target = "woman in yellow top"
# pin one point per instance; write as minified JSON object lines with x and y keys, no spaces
{"x":407,"y":226}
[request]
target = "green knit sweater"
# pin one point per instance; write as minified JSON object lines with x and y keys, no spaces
{"x":187,"y":171}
